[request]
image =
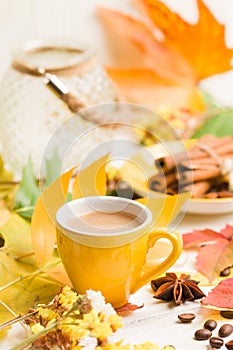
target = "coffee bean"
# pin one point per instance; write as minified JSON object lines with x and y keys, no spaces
{"x":210,"y":324}
{"x":202,"y":334}
{"x":225,"y":272}
{"x":186,"y":317}
{"x":226,"y":314}
{"x":229,"y":345}
{"x":225,"y":330}
{"x":216,"y":342}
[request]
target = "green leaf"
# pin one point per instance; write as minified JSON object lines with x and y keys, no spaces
{"x":209,"y":101}
{"x":28,"y":191}
{"x":53,"y":168}
{"x":220,"y":125}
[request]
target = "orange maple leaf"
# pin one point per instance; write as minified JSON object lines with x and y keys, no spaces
{"x":173,"y":62}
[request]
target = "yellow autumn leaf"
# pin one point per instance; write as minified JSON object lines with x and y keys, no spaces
{"x":89,"y":181}
{"x":7,"y":185}
{"x":4,"y":214}
{"x":21,"y":283}
{"x":166,"y":208}
{"x":43,"y":231}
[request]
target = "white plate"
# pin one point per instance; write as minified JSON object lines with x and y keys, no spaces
{"x":140,"y":168}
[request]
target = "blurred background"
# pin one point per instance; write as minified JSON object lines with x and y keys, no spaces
{"x":40,"y":19}
{"x":30,"y":114}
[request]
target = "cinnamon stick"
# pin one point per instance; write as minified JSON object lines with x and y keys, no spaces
{"x":198,"y":175}
{"x":198,"y":188}
{"x":222,"y":146}
{"x":161,"y":181}
{"x":199,"y":162}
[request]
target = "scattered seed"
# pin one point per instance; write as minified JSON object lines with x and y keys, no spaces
{"x":226,"y":314}
{"x":216,"y":342}
{"x":210,"y":324}
{"x":229,"y":345}
{"x":202,"y":334}
{"x":186,"y":317}
{"x":225,"y":330}
{"x":226,"y":272}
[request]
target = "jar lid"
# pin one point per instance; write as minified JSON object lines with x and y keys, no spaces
{"x":52,"y":56}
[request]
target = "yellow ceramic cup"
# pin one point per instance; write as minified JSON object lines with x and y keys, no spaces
{"x":112,"y":262}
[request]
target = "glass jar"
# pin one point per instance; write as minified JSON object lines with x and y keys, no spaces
{"x":30,"y":112}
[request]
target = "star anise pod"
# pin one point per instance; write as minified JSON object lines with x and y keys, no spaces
{"x":170,"y":287}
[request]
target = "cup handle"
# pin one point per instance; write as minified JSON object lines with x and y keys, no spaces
{"x":177,"y":245}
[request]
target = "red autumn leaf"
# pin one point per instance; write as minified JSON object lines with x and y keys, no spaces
{"x":227,"y":232}
{"x":217,"y":252}
{"x":127,"y":308}
{"x":221,"y":296}
{"x":200,"y":236}
{"x":213,"y":258}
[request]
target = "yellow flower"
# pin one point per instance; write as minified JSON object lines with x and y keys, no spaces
{"x":115,"y":322}
{"x":47,"y":314}
{"x":115,"y":346}
{"x":101,"y":331}
{"x":72,"y":329}
{"x":36,"y":328}
{"x":90,"y":320}
{"x":146,"y":346}
{"x":77,"y":347}
{"x":168,"y":347}
{"x":68,"y":297}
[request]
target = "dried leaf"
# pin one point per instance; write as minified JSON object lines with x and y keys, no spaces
{"x":216,"y":253}
{"x":221,"y":296}
{"x":174,"y":54}
{"x":128,"y":308}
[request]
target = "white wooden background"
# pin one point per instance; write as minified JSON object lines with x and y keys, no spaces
{"x":22,"y":20}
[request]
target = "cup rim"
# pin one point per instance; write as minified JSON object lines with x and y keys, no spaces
{"x":124,"y":200}
{"x":104,"y":239}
